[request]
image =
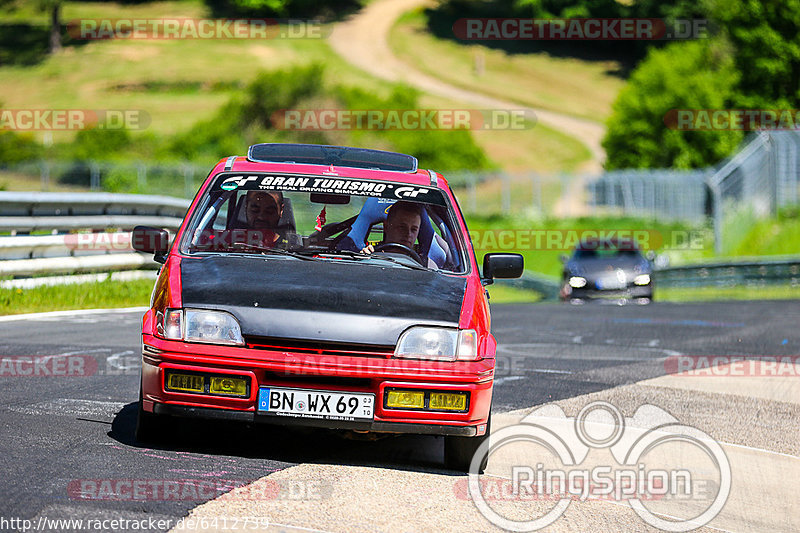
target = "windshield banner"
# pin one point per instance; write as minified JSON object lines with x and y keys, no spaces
{"x":333,"y":185}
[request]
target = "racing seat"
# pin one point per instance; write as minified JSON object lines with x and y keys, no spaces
{"x":374,"y":211}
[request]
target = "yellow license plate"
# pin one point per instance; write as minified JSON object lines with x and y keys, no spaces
{"x":227,"y":385}
{"x":185,"y":382}
{"x":449,"y":401}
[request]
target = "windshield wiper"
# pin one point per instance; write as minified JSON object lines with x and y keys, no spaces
{"x":266,"y":250}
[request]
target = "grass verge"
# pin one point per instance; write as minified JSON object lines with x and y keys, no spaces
{"x":710,"y":294}
{"x":541,"y":240}
{"x":99,"y":295}
{"x":499,"y":294}
{"x":572,"y":86}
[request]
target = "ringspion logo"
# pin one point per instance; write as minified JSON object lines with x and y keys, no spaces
{"x":650,"y":461}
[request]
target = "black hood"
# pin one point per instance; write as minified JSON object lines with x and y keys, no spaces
{"x":335,"y":301}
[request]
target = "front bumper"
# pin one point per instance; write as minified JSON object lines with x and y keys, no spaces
{"x":268,"y":368}
{"x":631,"y":292}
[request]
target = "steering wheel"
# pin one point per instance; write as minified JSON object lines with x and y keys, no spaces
{"x":403,"y":248}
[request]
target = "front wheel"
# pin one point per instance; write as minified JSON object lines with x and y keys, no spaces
{"x":458,"y":451}
{"x":150,"y":427}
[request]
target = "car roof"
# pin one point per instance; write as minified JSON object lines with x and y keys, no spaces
{"x":593,"y":243}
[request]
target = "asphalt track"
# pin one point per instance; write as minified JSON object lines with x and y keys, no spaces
{"x":61,"y":433}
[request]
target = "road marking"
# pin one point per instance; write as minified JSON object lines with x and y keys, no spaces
{"x":72,"y":407}
{"x":72,"y":313}
{"x":500,"y":381}
{"x":549,"y":371}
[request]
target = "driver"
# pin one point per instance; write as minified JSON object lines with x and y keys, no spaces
{"x":401,"y":227}
{"x":263,"y":210}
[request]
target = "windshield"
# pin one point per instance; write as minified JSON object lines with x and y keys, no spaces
{"x":606,"y":250}
{"x":326,"y":218}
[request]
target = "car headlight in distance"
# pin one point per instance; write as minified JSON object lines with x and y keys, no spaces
{"x":576,"y":282}
{"x":438,"y":344}
{"x":196,"y":325}
{"x":642,"y":279}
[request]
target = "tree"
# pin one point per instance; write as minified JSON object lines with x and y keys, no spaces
{"x":683,"y":75}
{"x":53,"y":7}
{"x":766,"y":42}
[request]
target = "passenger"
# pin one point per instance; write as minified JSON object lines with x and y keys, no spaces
{"x":263,"y":210}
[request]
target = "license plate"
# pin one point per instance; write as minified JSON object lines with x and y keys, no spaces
{"x":325,"y":405}
{"x":609,"y":284}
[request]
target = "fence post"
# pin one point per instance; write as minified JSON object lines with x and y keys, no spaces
{"x":94,"y":176}
{"x":141,"y":176}
{"x":506,"y":194}
{"x":188,"y":175}
{"x":716,"y":204}
{"x":473,"y":194}
{"x":45,"y":175}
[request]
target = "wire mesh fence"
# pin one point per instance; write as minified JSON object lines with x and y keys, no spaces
{"x":760,"y":179}
{"x":172,"y":179}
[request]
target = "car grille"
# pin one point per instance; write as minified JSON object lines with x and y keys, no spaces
{"x":318,"y":348}
{"x":316,"y":381}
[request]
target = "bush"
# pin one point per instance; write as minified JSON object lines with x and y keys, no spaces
{"x":684,"y":75}
{"x":445,"y":150}
{"x":15,"y":148}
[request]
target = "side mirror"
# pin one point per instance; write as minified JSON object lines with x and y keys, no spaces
{"x":151,"y":240}
{"x":501,"y":265}
{"x":563,"y":258}
{"x":650,"y":255}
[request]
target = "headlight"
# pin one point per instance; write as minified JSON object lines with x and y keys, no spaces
{"x":642,"y":279}
{"x":576,"y":282}
{"x":194,"y":325}
{"x":440,"y":344}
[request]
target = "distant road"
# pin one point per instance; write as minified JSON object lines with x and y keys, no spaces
{"x":363,"y":40}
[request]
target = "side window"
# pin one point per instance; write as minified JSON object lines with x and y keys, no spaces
{"x":221,"y":220}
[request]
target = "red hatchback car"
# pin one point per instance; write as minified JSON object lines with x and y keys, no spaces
{"x":322,"y":286}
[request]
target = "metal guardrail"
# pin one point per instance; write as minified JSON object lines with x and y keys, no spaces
{"x":754,"y":272}
{"x":41,"y":211}
{"x":79,"y":224}
{"x":546,"y":286}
